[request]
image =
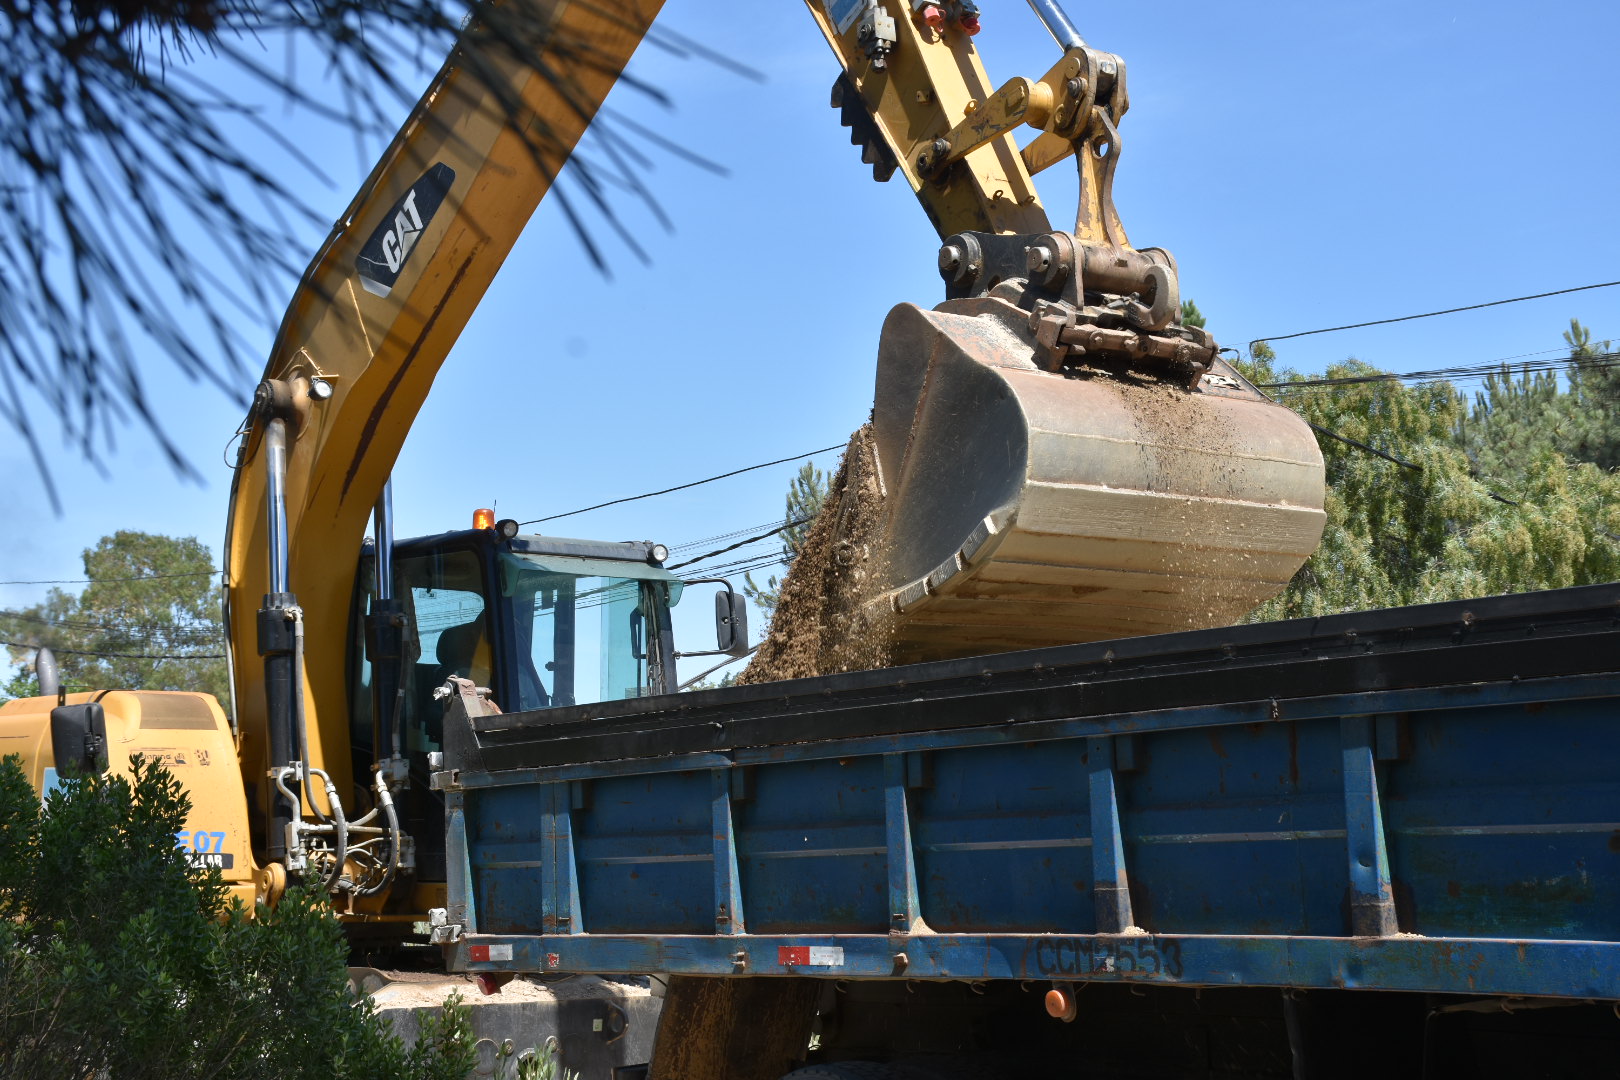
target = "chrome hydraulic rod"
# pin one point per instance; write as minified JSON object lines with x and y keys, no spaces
{"x":1057,"y":23}
{"x":383,"y":517}
{"x":275,"y":447}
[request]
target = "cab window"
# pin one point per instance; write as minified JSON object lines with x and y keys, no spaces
{"x":444,"y":603}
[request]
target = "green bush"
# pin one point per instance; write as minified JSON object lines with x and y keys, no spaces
{"x":118,"y":960}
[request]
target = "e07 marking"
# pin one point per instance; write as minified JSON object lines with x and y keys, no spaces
{"x":205,"y":849}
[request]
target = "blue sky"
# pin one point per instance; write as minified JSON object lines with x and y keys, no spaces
{"x":1308,"y":164}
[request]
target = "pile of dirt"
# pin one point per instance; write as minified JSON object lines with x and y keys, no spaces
{"x":828,"y":616}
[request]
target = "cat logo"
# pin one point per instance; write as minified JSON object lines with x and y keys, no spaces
{"x":388,"y":248}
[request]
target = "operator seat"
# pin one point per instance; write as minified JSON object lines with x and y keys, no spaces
{"x":461,"y":650}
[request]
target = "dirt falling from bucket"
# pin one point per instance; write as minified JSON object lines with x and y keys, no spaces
{"x":825,"y":620}
{"x":1191,"y":439}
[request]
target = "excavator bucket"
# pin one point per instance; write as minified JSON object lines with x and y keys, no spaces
{"x":1025,"y":507}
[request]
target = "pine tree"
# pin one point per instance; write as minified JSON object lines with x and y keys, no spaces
{"x":804,"y":498}
{"x":112,"y":145}
{"x":1594,"y":390}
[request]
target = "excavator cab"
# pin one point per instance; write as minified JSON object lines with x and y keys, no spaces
{"x":539,"y":621}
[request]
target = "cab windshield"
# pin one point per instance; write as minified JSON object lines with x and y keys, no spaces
{"x":582,"y":628}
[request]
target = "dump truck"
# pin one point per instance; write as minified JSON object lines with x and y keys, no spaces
{"x":1384,"y":843}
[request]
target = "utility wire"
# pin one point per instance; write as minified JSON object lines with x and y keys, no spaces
{"x":724,"y":663}
{"x":1363,"y":446}
{"x":1432,"y":314}
{"x":680,"y":487}
{"x":1595,"y":361}
{"x":138,"y":577}
{"x":81,"y":625}
{"x":1419,"y":468}
{"x":689,"y":545}
{"x":741,"y":543}
{"x":746,"y":566}
{"x":115,"y":655}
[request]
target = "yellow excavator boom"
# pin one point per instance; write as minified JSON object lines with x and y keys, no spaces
{"x":373,"y":319}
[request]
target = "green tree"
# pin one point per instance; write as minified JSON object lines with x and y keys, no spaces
{"x":22,"y":683}
{"x":1190,"y":315}
{"x":805,"y":496}
{"x":1436,"y":527}
{"x":118,"y":960}
{"x":1594,"y":391}
{"x":148,"y":620}
{"x":728,"y":679}
{"x":1516,"y":417}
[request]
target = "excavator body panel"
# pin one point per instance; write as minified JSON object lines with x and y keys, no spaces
{"x":187,"y":733}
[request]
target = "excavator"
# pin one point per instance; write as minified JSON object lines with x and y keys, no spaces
{"x":1058,"y":457}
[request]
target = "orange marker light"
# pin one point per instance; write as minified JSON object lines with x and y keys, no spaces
{"x":483,"y":519}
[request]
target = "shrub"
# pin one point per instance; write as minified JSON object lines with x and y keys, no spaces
{"x":119,"y":960}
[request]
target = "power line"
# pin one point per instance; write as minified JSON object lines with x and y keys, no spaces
{"x":115,"y":655}
{"x":1498,"y":497}
{"x":139,"y":628}
{"x":93,"y":581}
{"x":741,"y":543}
{"x":1348,"y":441}
{"x":746,"y":566}
{"x":733,"y":534}
{"x":682,"y":487}
{"x":1596,"y":361}
{"x":724,"y":663}
{"x":1432,"y":314}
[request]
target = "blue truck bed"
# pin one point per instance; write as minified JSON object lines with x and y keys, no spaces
{"x":1423,"y":799}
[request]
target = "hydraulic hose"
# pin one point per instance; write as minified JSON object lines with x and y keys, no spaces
{"x":385,"y":801}
{"x":340,"y":828}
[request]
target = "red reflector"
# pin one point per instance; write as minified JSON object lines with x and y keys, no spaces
{"x":810,"y":955}
{"x":478,"y":953}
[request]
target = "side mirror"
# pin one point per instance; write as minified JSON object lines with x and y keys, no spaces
{"x":731,"y":622}
{"x":79,"y":739}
